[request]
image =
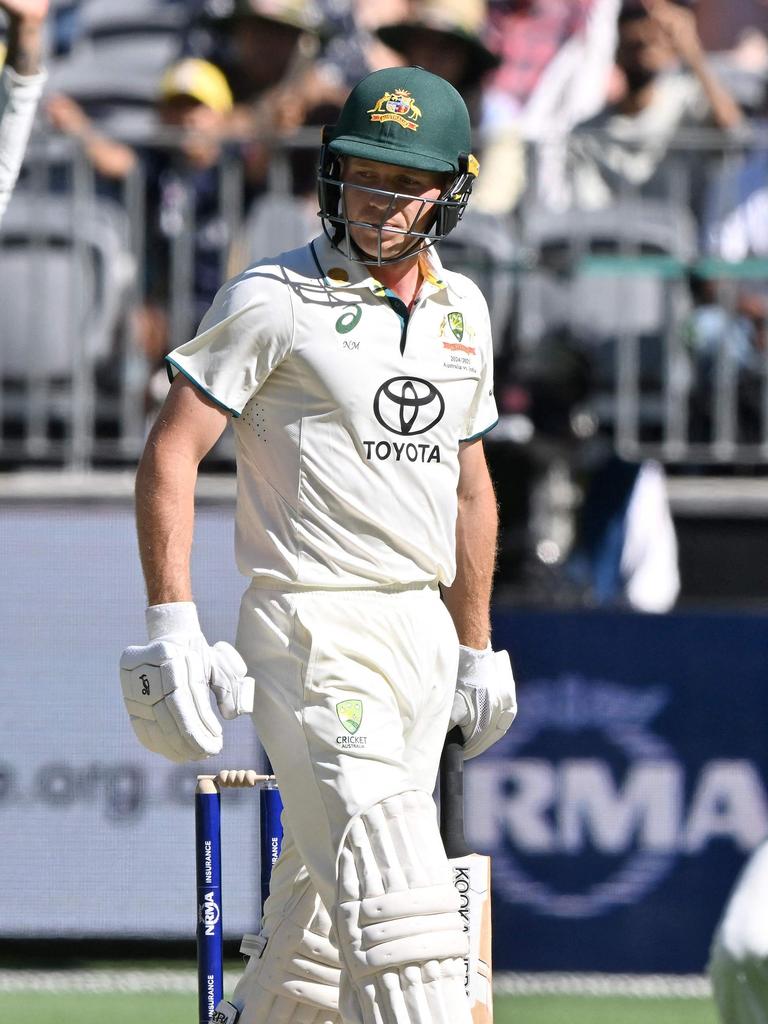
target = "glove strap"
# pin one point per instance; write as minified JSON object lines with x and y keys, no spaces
{"x":176,"y":617}
{"x":469,"y":657}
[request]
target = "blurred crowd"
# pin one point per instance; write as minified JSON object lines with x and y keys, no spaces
{"x":621,"y":79}
{"x":610,"y":126}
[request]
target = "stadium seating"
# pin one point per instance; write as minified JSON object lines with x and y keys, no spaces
{"x":610,"y":285}
{"x":65,"y":273}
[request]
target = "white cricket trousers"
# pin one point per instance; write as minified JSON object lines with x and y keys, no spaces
{"x":354,"y":690}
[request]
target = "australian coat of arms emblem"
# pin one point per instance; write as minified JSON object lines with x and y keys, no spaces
{"x":398,"y":106}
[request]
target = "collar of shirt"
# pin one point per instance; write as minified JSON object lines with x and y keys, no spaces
{"x":340,"y":272}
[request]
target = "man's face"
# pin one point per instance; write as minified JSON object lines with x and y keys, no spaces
{"x":642,"y":51}
{"x":201,"y":128}
{"x":411,"y":211}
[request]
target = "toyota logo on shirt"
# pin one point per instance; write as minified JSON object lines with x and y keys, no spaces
{"x":408,"y":405}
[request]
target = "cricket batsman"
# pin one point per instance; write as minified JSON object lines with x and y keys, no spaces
{"x":357,"y":373}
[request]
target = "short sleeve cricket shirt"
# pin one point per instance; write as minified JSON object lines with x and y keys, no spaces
{"x":348,"y":415}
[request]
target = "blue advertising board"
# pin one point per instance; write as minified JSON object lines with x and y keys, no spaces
{"x":630,"y":790}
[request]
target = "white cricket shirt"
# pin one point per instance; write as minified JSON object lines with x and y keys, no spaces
{"x":348,"y":415}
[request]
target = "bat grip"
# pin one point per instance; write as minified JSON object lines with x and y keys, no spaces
{"x":452,"y":795}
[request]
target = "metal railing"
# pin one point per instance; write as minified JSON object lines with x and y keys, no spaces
{"x":626,"y":296}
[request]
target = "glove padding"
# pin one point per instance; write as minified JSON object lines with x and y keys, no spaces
{"x":166,"y":685}
{"x":485,"y":704}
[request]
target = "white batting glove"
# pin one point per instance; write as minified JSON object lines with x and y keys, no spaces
{"x":485,"y":703}
{"x":166,"y":685}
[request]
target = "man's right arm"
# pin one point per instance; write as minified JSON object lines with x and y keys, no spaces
{"x":186,"y":429}
{"x":679,"y":26}
{"x":166,"y":682}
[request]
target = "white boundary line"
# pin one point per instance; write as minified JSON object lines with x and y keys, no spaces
{"x":691,"y":986}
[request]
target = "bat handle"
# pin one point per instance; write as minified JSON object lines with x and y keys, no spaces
{"x":452,"y":795}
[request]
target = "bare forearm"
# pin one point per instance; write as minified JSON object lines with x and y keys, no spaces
{"x":25,"y":45}
{"x":165,"y":489}
{"x":725,"y":110}
{"x":468,"y":599}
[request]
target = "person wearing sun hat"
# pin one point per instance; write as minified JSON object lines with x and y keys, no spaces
{"x":452,"y":38}
{"x":448,"y":37}
{"x":265,"y":48}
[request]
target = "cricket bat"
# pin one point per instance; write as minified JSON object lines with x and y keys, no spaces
{"x":471,"y":877}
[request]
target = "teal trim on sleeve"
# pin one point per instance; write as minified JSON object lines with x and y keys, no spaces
{"x":198,"y":385}
{"x":480,"y":433}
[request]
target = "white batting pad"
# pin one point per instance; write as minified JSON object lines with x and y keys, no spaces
{"x":397,"y":920}
{"x":294,"y":978}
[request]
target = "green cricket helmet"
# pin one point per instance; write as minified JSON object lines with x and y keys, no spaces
{"x":407,"y":117}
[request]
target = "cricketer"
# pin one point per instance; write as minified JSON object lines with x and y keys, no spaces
{"x":358,"y":375}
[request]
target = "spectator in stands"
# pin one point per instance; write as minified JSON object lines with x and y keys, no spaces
{"x":556,"y":61}
{"x":669,"y":86}
{"x":187,"y":232}
{"x":21,"y":84}
{"x":731,"y":314}
{"x":352,"y":48}
{"x":625,"y":545}
{"x":449,"y":35}
{"x":266,"y":49}
{"x":449,"y":38}
{"x":109,"y":158}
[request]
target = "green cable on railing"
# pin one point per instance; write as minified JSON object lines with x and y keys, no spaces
{"x":629,"y":264}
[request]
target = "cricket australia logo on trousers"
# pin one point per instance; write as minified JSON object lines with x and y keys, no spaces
{"x":350,"y":714}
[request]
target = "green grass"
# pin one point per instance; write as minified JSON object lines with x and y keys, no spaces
{"x":78,"y":1008}
{"x":602,"y":1010}
{"x":108,"y":1008}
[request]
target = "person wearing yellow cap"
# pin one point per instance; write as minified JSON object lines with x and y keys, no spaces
{"x":195,"y":98}
{"x":21,"y":84}
{"x":267,"y":50}
{"x":182,"y":192}
{"x":199,"y":80}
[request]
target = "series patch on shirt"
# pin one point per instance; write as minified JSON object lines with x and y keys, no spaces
{"x":458,"y":339}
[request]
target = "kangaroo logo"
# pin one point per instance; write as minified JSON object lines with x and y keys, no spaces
{"x":398,"y":106}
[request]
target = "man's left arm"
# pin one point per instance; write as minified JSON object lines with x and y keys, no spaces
{"x":485,"y":704}
{"x":468,"y":599}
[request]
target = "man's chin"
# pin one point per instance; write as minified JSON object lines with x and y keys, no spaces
{"x":391,"y":247}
